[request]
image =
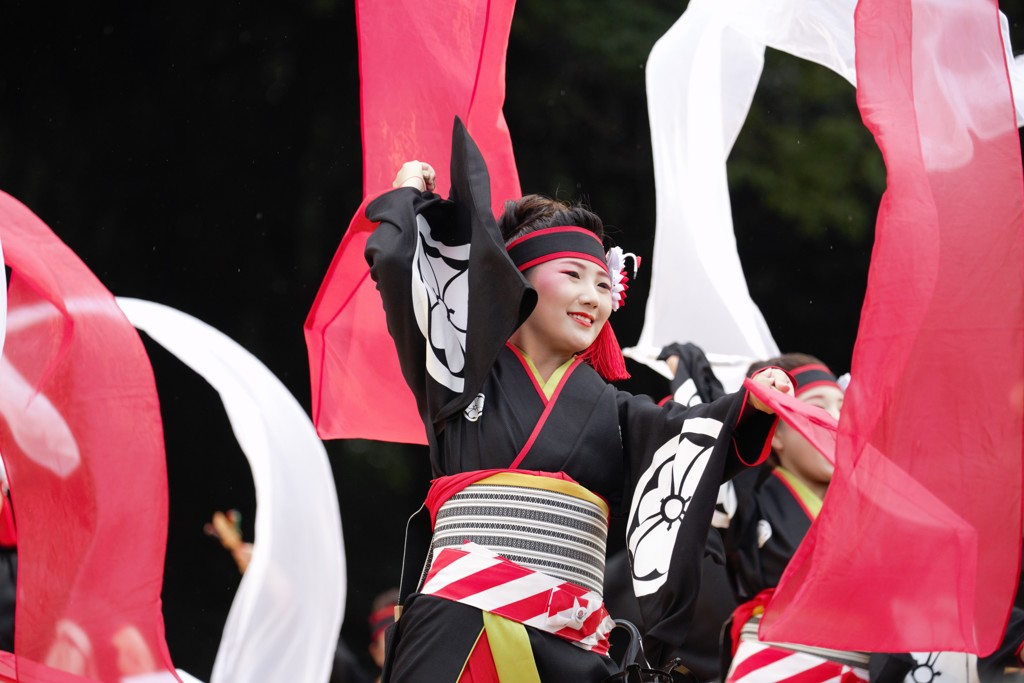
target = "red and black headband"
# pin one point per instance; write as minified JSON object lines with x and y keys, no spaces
{"x":569,"y":241}
{"x":812,"y":375}
{"x":562,"y":241}
{"x":381,"y":619}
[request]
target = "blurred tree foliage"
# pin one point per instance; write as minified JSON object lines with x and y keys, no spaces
{"x":207,"y":156}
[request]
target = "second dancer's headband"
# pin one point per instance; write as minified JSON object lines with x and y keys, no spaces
{"x":812,"y":375}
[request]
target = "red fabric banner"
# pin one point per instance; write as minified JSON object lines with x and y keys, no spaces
{"x":917,"y":547}
{"x":81,"y":436}
{"x":421,"y":65}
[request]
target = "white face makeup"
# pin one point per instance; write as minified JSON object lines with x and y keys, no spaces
{"x":574,"y":300}
{"x":828,"y":397}
{"x":795,"y":453}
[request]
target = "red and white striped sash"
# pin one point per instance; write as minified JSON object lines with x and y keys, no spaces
{"x":475,"y":576}
{"x":757,"y":662}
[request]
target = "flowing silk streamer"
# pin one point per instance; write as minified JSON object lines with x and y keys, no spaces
{"x":81,"y":436}
{"x":284,"y":621}
{"x":917,"y":547}
{"x":421,"y":64}
{"x":701,"y":77}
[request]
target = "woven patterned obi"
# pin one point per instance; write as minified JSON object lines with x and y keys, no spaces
{"x":550,"y":525}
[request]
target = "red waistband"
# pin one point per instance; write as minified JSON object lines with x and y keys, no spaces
{"x":742,"y":614}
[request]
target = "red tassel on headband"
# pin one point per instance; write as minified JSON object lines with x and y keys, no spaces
{"x":605,"y":356}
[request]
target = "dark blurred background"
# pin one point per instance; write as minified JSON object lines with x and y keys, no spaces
{"x":206,"y":155}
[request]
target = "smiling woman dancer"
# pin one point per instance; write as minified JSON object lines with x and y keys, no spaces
{"x":501,"y":336}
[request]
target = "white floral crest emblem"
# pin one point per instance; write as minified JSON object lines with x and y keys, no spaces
{"x":440,"y":296}
{"x":660,"y":501}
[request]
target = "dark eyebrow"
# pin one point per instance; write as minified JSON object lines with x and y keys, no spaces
{"x":583,"y":264}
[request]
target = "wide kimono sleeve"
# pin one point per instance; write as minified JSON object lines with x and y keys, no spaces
{"x":451,"y":295}
{"x":678,"y":457}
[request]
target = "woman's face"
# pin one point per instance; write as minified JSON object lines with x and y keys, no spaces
{"x":574,"y":300}
{"x":795,"y":453}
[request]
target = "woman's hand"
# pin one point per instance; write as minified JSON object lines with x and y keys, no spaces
{"x":773,"y":378}
{"x":417,"y":174}
{"x":226,"y":528}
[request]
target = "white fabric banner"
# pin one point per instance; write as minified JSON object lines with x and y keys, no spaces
{"x":285,"y":619}
{"x":701,"y":79}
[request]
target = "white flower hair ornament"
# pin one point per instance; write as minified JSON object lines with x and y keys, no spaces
{"x":617,"y":269}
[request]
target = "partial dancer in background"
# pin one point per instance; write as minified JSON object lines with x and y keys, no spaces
{"x":778,"y":501}
{"x":382,"y":617}
{"x":226,"y":527}
{"x":775,"y":505}
{"x":502,"y":336}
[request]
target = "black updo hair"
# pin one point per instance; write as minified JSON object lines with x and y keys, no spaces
{"x":535,"y":212}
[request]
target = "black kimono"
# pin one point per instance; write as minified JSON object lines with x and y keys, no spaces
{"x":452,"y":299}
{"x":773,"y":514}
{"x":771,"y":520}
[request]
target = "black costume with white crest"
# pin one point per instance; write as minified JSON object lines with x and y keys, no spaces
{"x":453,"y":298}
